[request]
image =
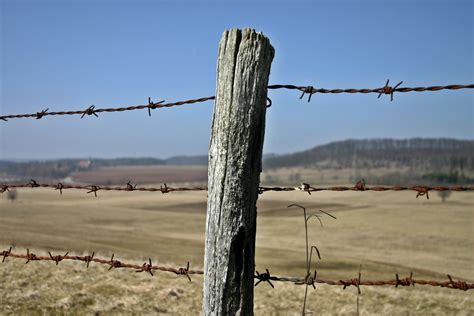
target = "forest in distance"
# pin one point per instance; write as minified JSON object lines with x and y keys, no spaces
{"x":380,"y":161}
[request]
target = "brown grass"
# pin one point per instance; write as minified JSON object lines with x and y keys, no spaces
{"x":142,"y":175}
{"x":388,"y":233}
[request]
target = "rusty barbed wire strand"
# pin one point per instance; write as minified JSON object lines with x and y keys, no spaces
{"x":383,"y":90}
{"x":420,"y":189}
{"x":262,"y":277}
{"x":95,"y":188}
{"x":91,"y":110}
{"x":305,"y":187}
{"x":112,"y":263}
{"x":356,"y":282}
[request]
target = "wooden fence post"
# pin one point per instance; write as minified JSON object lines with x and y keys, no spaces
{"x":235,"y":163}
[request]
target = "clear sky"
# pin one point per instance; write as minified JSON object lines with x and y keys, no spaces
{"x":68,"y":55}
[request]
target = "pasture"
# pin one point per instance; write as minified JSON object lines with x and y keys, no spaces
{"x":386,"y":232}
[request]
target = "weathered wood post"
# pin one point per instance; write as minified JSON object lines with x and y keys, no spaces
{"x":235,"y":162}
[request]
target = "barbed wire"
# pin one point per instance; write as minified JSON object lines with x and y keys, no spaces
{"x":305,"y":187}
{"x":93,"y":111}
{"x":360,"y":186}
{"x":407,"y":281}
{"x":95,"y":188}
{"x":149,"y":268}
{"x":112,"y":263}
{"x":310,"y":90}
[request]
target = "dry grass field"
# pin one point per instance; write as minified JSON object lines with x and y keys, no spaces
{"x":386,"y":232}
{"x":142,"y":174}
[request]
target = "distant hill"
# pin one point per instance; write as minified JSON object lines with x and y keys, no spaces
{"x":422,"y":153}
{"x":380,"y":161}
{"x":436,"y":160}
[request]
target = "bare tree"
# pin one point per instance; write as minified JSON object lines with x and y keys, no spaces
{"x":12,"y":195}
{"x":444,"y":195}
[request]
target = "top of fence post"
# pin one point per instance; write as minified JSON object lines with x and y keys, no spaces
{"x":235,"y":158}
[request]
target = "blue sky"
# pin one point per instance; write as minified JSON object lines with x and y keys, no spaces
{"x":68,"y":55}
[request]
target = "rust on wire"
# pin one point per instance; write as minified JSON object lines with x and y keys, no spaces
{"x":360,"y":186}
{"x":305,"y":187}
{"x":57,"y":258}
{"x":263,"y":277}
{"x":388,"y":89}
{"x":310,"y":90}
{"x":404,"y":281}
{"x":94,"y":188}
{"x":382,"y":90}
{"x":92,"y":110}
{"x":146,"y":267}
{"x":184,"y":271}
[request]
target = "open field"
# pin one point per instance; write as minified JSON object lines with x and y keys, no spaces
{"x":142,"y":174}
{"x":386,"y":232}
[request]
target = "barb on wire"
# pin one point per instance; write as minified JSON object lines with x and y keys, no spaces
{"x":90,"y":111}
{"x":263,"y":277}
{"x":114,"y":263}
{"x":88,"y":259}
{"x":146,"y":267}
{"x":30,"y":256}
{"x":360,"y":185}
{"x":405,"y":281}
{"x":461,"y":285}
{"x":422,"y":191}
{"x":57,"y":258}
{"x":130,"y":186}
{"x":4,"y":188}
{"x":5,"y":254}
{"x":40,"y":115}
{"x":184,"y":271}
{"x":33,"y":184}
{"x":308,"y":90}
{"x":389,"y":90}
{"x":59,"y":187}
{"x":152,"y":106}
{"x":93,"y":189}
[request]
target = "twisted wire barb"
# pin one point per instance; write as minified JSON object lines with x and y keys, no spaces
{"x":91,"y":110}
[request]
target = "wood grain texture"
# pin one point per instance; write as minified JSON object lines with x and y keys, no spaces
{"x":235,"y":159}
